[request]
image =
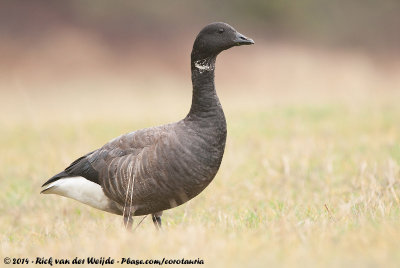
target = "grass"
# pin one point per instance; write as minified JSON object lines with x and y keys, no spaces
{"x":304,"y":181}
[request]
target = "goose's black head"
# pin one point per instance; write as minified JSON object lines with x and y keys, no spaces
{"x":216,"y":37}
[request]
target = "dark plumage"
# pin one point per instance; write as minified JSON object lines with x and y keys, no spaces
{"x":154,"y":169}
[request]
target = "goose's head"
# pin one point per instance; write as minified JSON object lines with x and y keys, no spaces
{"x":216,"y":37}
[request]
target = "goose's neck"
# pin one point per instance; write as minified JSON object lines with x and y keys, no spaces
{"x":205,"y":102}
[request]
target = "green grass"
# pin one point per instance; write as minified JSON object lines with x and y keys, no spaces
{"x":302,"y":183}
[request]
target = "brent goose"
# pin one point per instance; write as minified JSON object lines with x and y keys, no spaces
{"x":154,"y":169}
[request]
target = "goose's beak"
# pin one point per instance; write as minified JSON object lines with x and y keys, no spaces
{"x":240,"y":40}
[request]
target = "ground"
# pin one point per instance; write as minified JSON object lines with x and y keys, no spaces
{"x":310,"y":176}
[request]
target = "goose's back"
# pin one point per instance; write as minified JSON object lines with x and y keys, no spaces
{"x":159,"y":168}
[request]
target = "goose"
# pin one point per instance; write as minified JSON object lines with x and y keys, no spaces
{"x":154,"y":169}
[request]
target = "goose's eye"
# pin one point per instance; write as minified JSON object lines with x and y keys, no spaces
{"x":221,"y":30}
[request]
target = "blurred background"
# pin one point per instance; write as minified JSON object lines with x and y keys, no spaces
{"x":308,"y":50}
{"x":312,"y":156}
{"x":48,"y":41}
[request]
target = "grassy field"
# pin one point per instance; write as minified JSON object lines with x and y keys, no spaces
{"x":310,"y":176}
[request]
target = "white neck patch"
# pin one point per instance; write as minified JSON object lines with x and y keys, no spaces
{"x":204,"y":65}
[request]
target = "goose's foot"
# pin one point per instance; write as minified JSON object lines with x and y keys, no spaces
{"x":128,"y":221}
{"x":156,"y":217}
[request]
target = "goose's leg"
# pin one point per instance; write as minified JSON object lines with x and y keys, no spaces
{"x":128,"y":220}
{"x":157,"y":219}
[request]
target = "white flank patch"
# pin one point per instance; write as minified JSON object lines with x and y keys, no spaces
{"x":80,"y":189}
